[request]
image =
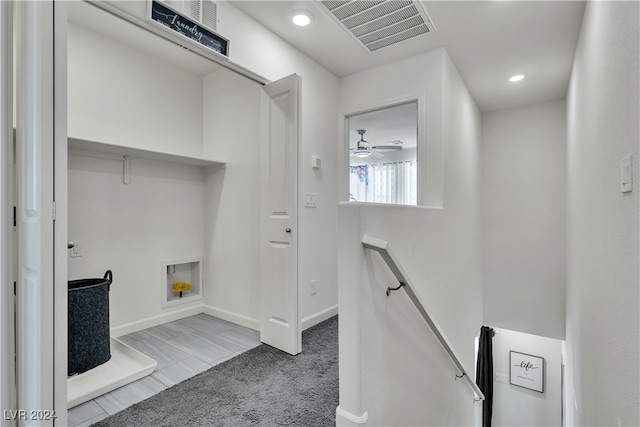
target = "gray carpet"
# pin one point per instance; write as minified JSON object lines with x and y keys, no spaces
{"x":261,"y":387}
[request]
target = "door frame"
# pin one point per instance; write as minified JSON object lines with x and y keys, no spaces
{"x":41,"y":153}
{"x":35,"y":209}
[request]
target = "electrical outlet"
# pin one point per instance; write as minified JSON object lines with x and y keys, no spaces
{"x":76,"y":250}
{"x":313,"y":287}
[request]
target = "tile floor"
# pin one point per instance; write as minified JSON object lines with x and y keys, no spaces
{"x":182,"y":348}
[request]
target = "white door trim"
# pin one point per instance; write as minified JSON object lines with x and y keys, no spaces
{"x":60,"y":251}
{"x":35,"y":211}
{"x":7,"y":336}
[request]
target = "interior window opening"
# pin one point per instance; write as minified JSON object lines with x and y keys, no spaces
{"x":383,"y":161}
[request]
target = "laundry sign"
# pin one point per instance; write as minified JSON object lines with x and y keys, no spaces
{"x":526,"y":371}
{"x":178,"y":23}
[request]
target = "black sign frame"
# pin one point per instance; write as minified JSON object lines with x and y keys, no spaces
{"x":169,"y":18}
{"x":526,"y":370}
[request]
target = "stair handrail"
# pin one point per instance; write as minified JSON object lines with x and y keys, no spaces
{"x":382,"y":247}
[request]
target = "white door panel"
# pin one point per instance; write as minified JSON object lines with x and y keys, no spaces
{"x":279,"y":323}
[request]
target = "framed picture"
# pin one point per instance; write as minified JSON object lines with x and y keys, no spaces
{"x":526,"y":371}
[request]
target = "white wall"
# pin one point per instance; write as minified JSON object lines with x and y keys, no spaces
{"x":448,"y":145}
{"x":524,"y":218}
{"x":120,"y":95}
{"x":415,"y":78}
{"x":123,"y":96}
{"x":230,"y":129}
{"x":257,"y":49}
{"x":390,"y":365}
{"x":518,"y":406}
{"x":130,"y":229}
{"x":232,"y":228}
{"x":603,"y":325}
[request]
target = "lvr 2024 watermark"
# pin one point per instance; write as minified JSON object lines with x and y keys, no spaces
{"x":32,"y":414}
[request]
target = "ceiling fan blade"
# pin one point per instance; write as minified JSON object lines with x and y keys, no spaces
{"x":376,"y":154}
{"x":388,"y":147}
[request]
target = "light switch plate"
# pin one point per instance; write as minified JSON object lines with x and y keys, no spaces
{"x":316,"y":162}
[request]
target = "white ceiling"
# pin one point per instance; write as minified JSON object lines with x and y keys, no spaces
{"x":487,"y":40}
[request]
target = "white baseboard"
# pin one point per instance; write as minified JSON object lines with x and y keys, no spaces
{"x":150,"y":322}
{"x":220,"y":313}
{"x":239,"y":319}
{"x":313,"y":320}
{"x":347,"y":419}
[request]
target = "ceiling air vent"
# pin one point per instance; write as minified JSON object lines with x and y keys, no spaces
{"x":204,"y":12}
{"x":376,"y":24}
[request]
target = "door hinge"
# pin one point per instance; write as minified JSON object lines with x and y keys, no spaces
{"x":15,"y":223}
{"x":54,"y":211}
{"x":14,"y":289}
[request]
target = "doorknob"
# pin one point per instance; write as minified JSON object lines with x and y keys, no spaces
{"x":288,"y":230}
{"x":70,"y":244}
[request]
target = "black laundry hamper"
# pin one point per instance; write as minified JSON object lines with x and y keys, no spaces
{"x":88,"y":323}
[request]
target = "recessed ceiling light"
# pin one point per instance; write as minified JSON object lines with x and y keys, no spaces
{"x":301,"y":18}
{"x":516,"y":78}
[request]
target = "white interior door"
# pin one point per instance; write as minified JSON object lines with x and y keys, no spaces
{"x":279,"y":323}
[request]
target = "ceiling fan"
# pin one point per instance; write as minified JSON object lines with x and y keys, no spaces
{"x":364,"y":149}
